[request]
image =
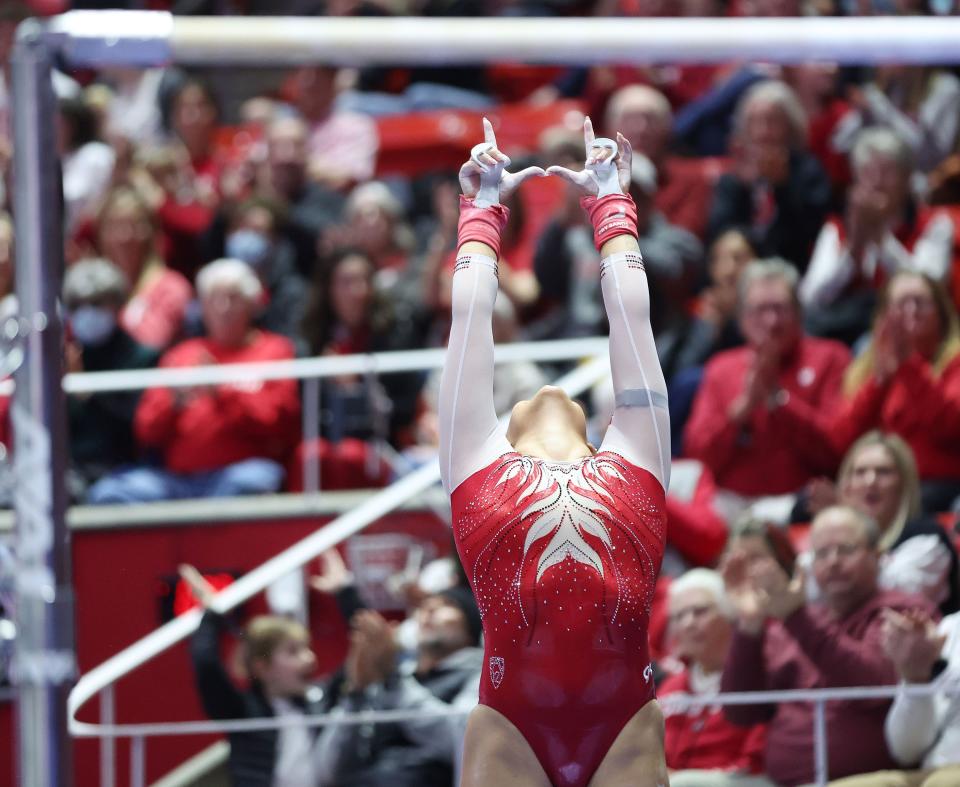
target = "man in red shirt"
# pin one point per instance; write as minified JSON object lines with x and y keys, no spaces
{"x":761,"y":418}
{"x":783,"y":643}
{"x":217,"y":440}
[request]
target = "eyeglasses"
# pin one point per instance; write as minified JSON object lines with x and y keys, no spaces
{"x":841,"y":551}
{"x":696,"y":612}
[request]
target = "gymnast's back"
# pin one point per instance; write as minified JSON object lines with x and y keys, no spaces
{"x":562,"y":543}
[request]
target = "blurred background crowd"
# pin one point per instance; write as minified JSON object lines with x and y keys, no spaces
{"x":800,"y":227}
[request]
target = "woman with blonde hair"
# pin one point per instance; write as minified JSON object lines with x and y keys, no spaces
{"x":127,"y":236}
{"x":907,"y":381}
{"x":878,"y":476}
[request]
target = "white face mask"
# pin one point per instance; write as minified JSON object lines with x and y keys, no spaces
{"x":92,"y":325}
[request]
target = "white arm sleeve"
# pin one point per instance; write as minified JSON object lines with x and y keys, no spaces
{"x":920,"y":565}
{"x":911,"y":728}
{"x":640,"y":429}
{"x":830,"y":269}
{"x":933,"y":252}
{"x":470,"y":435}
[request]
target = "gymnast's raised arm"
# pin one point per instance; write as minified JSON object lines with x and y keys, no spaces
{"x":640,"y":429}
{"x":470,"y":437}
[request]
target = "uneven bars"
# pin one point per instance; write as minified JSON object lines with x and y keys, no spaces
{"x":153,"y":38}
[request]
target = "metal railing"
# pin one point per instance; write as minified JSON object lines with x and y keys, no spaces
{"x":310,"y":371}
{"x":672,"y":704}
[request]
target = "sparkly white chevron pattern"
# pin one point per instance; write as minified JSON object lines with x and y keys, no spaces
{"x":568,"y":503}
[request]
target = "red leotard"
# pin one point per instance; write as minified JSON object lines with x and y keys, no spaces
{"x":563,"y":558}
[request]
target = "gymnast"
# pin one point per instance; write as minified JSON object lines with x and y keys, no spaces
{"x":562,"y":543}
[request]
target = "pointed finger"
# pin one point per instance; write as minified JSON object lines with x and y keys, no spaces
{"x":588,"y":135}
{"x":626,"y":149}
{"x":488,"y":135}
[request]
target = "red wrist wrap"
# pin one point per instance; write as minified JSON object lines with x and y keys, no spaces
{"x":611,"y":216}
{"x":484,"y":225}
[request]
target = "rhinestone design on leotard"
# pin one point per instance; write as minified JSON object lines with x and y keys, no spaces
{"x":563,"y":558}
{"x":570,"y":515}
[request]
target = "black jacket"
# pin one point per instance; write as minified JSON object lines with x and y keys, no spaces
{"x":801,"y":205}
{"x":252,"y":754}
{"x":101,"y":425}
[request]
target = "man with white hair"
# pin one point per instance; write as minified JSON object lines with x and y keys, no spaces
{"x":884,"y":231}
{"x":776,"y":189}
{"x":761,"y":417}
{"x":782,"y":642}
{"x":215,"y":440}
{"x":703,"y":748}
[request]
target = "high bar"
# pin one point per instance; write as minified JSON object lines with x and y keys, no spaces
{"x":145,"y":38}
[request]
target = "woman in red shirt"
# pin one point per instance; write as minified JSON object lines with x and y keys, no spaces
{"x":907,"y":381}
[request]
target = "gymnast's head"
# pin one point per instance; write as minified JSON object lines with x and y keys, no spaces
{"x":551,"y":425}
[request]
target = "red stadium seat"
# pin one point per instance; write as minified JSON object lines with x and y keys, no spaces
{"x":427,"y":141}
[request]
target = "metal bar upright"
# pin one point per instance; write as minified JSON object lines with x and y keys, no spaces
{"x":108,"y":743}
{"x":45,"y":663}
{"x":138,"y":761}
{"x":820,"y":764}
{"x":311,"y":435}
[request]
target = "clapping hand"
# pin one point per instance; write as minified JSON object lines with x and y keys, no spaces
{"x":735,"y":570}
{"x":607,"y":167}
{"x":779,"y":594}
{"x":484,"y":177}
{"x":373,"y":651}
{"x":912,"y":642}
{"x":891,"y":346}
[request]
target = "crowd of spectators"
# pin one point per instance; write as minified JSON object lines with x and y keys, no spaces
{"x":801,"y":232}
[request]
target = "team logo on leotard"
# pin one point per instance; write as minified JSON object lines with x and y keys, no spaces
{"x":647,"y":673}
{"x":497,"y":667}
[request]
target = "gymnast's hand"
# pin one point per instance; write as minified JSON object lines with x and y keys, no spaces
{"x":484,"y":177}
{"x":607,"y":168}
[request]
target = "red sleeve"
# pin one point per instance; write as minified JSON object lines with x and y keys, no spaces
{"x":271,"y":413}
{"x":935,"y":399}
{"x":859,"y":414}
{"x":841,"y":659}
{"x":753,"y":756}
{"x":710,"y":436}
{"x":694,"y":527}
{"x":155,"y":421}
{"x":746,"y":670}
{"x":809,"y":427}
